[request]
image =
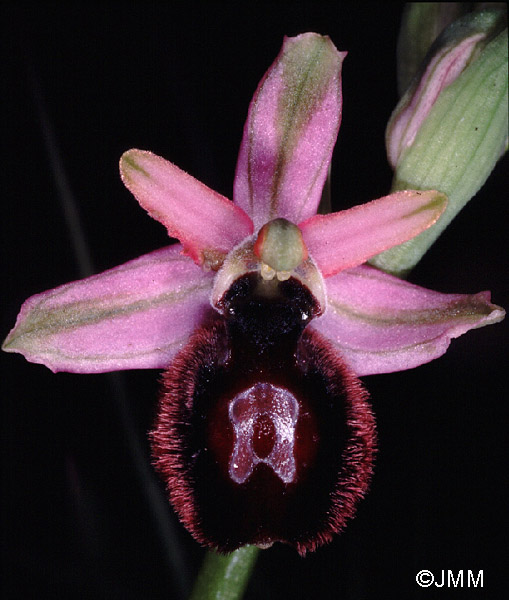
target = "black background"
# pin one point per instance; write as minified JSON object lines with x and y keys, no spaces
{"x":83,"y":515}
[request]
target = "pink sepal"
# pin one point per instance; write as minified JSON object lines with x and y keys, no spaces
{"x":135,"y":316}
{"x":290,"y":132}
{"x":382,"y":324}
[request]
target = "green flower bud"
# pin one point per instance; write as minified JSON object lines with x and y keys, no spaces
{"x":422,"y":23}
{"x":451,"y":127}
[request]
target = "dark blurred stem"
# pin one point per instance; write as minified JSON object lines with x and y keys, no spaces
{"x":155,"y":499}
{"x":225,"y":577}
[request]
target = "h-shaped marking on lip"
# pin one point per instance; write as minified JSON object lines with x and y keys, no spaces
{"x":281,"y":407}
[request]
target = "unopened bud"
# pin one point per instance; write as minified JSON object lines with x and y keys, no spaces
{"x":448,"y":58}
{"x":451,"y":127}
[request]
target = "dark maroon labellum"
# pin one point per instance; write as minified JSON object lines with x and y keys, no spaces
{"x":263,"y":433}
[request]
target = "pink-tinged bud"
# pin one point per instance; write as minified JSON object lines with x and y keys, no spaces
{"x":421,"y":24}
{"x":451,"y":127}
{"x":452,"y":52}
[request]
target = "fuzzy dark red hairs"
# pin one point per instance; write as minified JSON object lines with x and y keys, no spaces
{"x":263,"y":433}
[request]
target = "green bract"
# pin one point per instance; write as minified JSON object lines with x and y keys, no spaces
{"x":462,"y":136}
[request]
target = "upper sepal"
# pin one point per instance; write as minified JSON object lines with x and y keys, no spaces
{"x":135,"y":316}
{"x":207,"y":224}
{"x":290,"y":132}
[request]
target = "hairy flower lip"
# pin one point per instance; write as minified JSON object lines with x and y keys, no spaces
{"x":305,"y":512}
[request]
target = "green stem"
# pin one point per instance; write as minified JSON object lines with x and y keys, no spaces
{"x":225,"y":577}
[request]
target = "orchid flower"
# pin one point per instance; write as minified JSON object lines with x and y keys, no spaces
{"x":263,"y":317}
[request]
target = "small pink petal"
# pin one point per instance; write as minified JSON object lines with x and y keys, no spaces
{"x":382,"y":324}
{"x":290,"y":132}
{"x":206,"y":223}
{"x":348,"y":238}
{"x":135,"y":316}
